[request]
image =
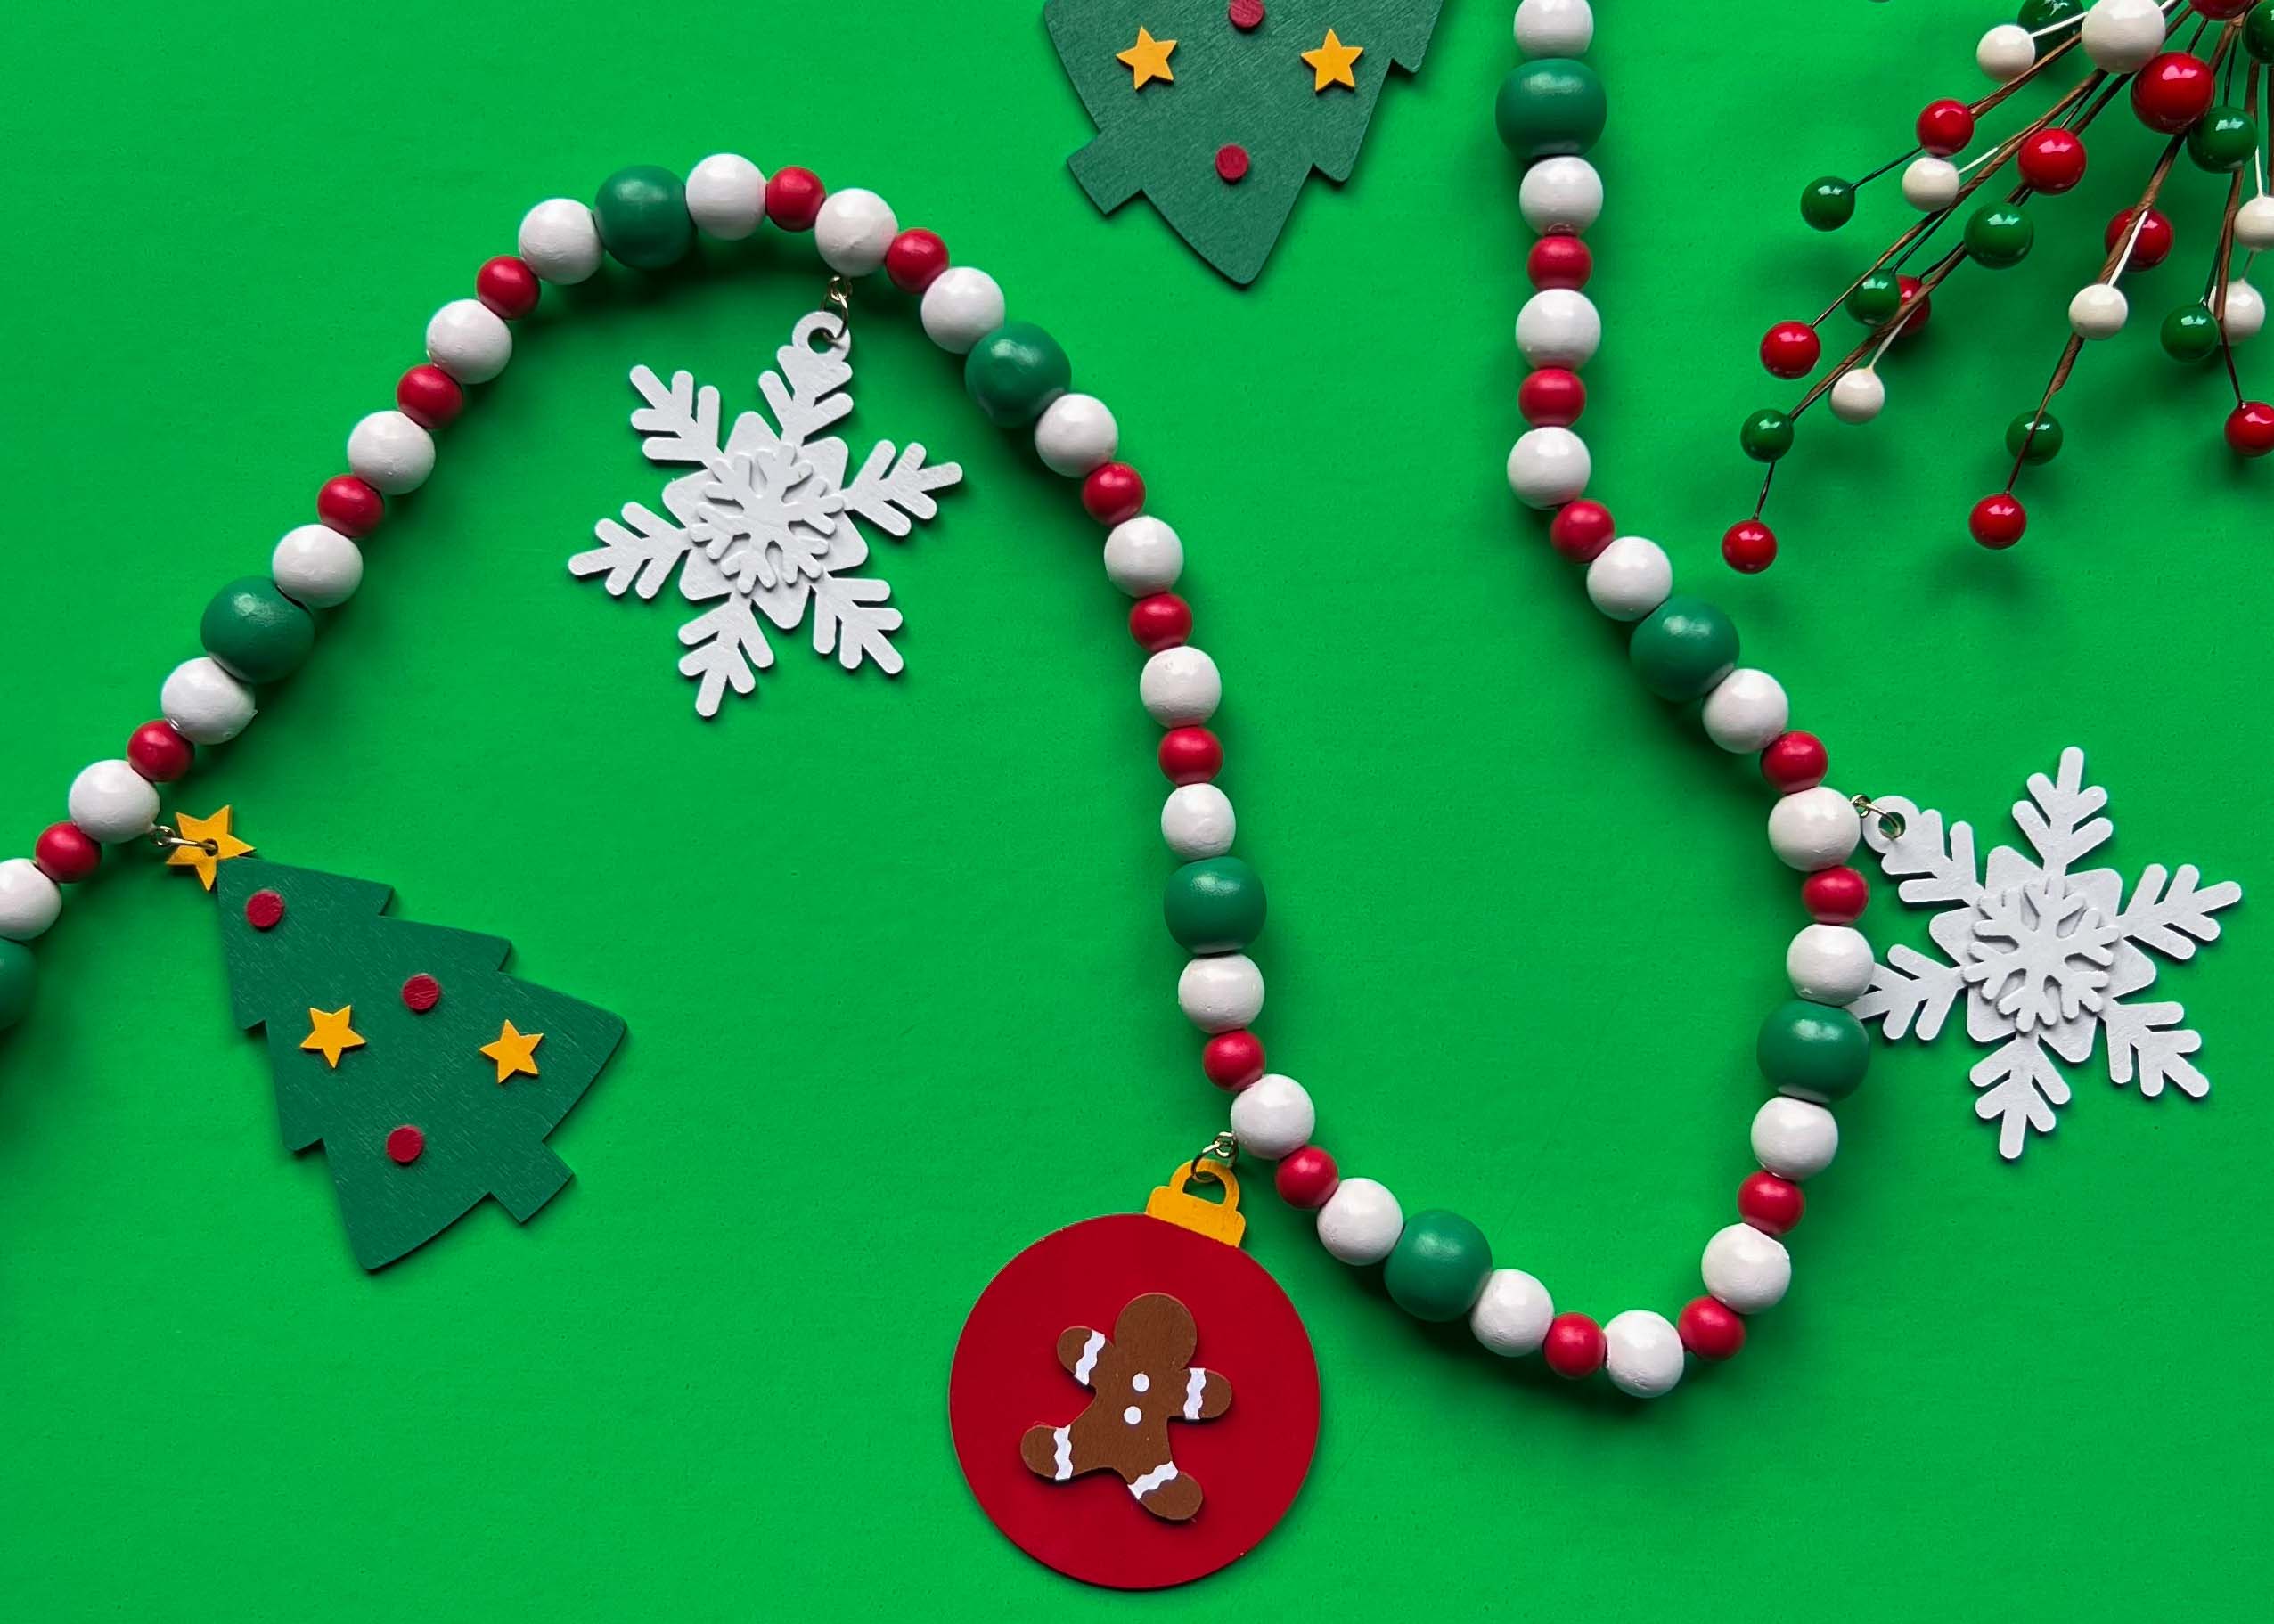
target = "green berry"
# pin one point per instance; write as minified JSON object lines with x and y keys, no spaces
{"x":1214,"y":906}
{"x":1438,"y":1267}
{"x":19,"y":980}
{"x":1766,"y":435}
{"x":256,"y":633}
{"x":1683,"y":649}
{"x":1876,"y":299}
{"x":2037,"y":14}
{"x":1815,"y":1051}
{"x":1999,"y":235}
{"x":1828,"y":202}
{"x":2041,"y":446}
{"x":2258,"y":32}
{"x":2190,"y":333}
{"x":2223,"y":140}
{"x":642,"y":216}
{"x":1015,"y":371}
{"x":1549,"y":106}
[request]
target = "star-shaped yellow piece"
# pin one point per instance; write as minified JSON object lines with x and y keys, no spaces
{"x":515,"y":1052}
{"x":1329,"y":64}
{"x":330,"y":1035}
{"x":1147,"y":61}
{"x":211,"y":845}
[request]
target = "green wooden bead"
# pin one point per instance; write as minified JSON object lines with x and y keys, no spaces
{"x":1876,"y":299}
{"x":1817,"y":1051}
{"x":2190,"y":333}
{"x":257,"y":633}
{"x":1549,"y":106}
{"x":2258,"y":32}
{"x":1828,"y":202}
{"x":2223,"y":140}
{"x":642,"y":215}
{"x":1766,"y":435}
{"x":1438,"y":1266}
{"x":2037,"y":14}
{"x":1999,"y":234}
{"x":19,"y":980}
{"x":1684,"y":648}
{"x":1214,"y":906}
{"x":2042,"y":446}
{"x":1015,"y":371}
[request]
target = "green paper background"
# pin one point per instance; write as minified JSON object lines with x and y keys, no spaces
{"x":898,"y":995}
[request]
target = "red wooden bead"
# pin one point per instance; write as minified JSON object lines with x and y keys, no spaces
{"x":2052,"y":160}
{"x":1835,"y":896}
{"x":1191,"y":756}
{"x":1793,"y":762}
{"x":1232,"y":163}
{"x":1306,"y":1178}
{"x":1560,"y":261}
{"x":1232,"y":1059}
{"x":1580,"y":529}
{"x":794,"y":199}
{"x":405,"y":1144}
{"x":349,"y":506}
{"x":1159,"y":622}
{"x":1574,"y":1347}
{"x":1914,"y":292}
{"x":158,"y":752}
{"x":1789,"y":349}
{"x":66,"y":854}
{"x":1771,"y":1204}
{"x":430,"y":396}
{"x":2155,"y":243}
{"x":915,"y":260}
{"x":1551,"y":397}
{"x":2172,"y":91}
{"x":1998,"y":520}
{"x":1749,"y":546}
{"x":2250,"y":428}
{"x":1711,"y":1329}
{"x":1112,"y":492}
{"x":1945,"y":126}
{"x":421,"y":993}
{"x":265,"y":910}
{"x":508,"y":286}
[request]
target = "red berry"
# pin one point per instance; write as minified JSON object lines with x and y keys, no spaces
{"x":915,"y":260}
{"x":2155,"y":243}
{"x":66,"y":854}
{"x":1306,"y":1178}
{"x":405,"y":1146}
{"x":421,"y":993}
{"x":265,"y":910}
{"x":2172,"y":91}
{"x":1711,"y":1329}
{"x":1191,"y":756}
{"x":508,"y":286}
{"x":158,"y":752}
{"x":1771,"y":1204}
{"x":1560,"y":261}
{"x":1232,"y":1059}
{"x":2250,"y":428}
{"x":1112,"y":492}
{"x":2052,"y":160}
{"x":430,"y":396}
{"x":1835,"y":896}
{"x":1749,"y":546}
{"x":2223,"y":9}
{"x":1574,"y":1347}
{"x":1945,"y":126}
{"x":1580,"y":529}
{"x":1159,"y":622}
{"x":1794,"y":761}
{"x":1789,"y":349}
{"x":1998,"y":520}
{"x":1913,"y":292}
{"x":1551,"y":397}
{"x":794,"y":199}
{"x":349,"y":506}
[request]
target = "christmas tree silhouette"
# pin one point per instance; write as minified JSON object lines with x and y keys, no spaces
{"x":429,"y":1076}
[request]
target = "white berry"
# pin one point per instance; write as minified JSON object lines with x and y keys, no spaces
{"x":1512,"y":1313}
{"x":1642,"y":1353}
{"x":2246,"y":312}
{"x":1554,"y":27}
{"x":317,"y":565}
{"x":1548,"y":467}
{"x":2254,"y":224}
{"x":2006,"y":52}
{"x":1197,"y":821}
{"x":1222,"y":992}
{"x":390,"y":453}
{"x":469,"y":341}
{"x":1829,"y":964}
{"x":28,"y":899}
{"x":1746,"y":709}
{"x":960,"y":307}
{"x":1360,"y":1221}
{"x":1747,"y":1270}
{"x":1630,"y":578}
{"x":1074,"y":434}
{"x":1559,"y":327}
{"x":853,"y":230}
{"x":1794,"y":1139}
{"x":2123,"y":36}
{"x":1143,"y":556}
{"x":560,"y":240}
{"x":1858,"y":395}
{"x":205,"y":704}
{"x":1560,"y":194}
{"x":110,"y":802}
{"x":726,"y":196}
{"x":1272,"y":1117}
{"x":1180,"y":687}
{"x":1814,"y":828}
{"x":2099,"y":311}
{"x":1931,"y":185}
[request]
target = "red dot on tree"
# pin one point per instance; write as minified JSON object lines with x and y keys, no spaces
{"x":794,"y":199}
{"x":1749,"y":546}
{"x":1233,"y":1060}
{"x":1552,"y":398}
{"x":1835,"y":896}
{"x":1574,"y":1347}
{"x":1162,"y":621}
{"x":1945,"y":126}
{"x":264,"y":910}
{"x":1306,"y":1178}
{"x":1793,"y":762}
{"x":159,"y":754}
{"x":1789,"y":349}
{"x":430,"y":396}
{"x":66,"y":854}
{"x":349,"y":506}
{"x":1191,"y":756}
{"x":421,"y":993}
{"x":1580,"y":529}
{"x":1998,"y":520}
{"x":1247,"y":15}
{"x":1112,"y":492}
{"x":405,"y":1144}
{"x":915,"y":260}
{"x":1771,"y":1204}
{"x":1560,"y":261}
{"x":1232,"y":163}
{"x":2155,"y":243}
{"x":1711,"y":1329}
{"x":508,"y":286}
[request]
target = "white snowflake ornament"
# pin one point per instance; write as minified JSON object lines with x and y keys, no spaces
{"x":2045,"y":956}
{"x":766,"y":523}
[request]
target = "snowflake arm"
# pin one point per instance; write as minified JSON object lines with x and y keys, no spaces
{"x":806,"y":389}
{"x":1910,"y":993}
{"x":642,"y":555}
{"x":2148,"y":1039}
{"x":680,"y":422}
{"x":1932,"y":868}
{"x":850,"y":616}
{"x":891,"y":496}
{"x":2020,"y":1088}
{"x":2172,"y":921}
{"x":2065,"y":823}
{"x":726,"y":648}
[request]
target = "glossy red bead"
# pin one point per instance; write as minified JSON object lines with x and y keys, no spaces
{"x":1790,"y":349}
{"x":794,"y":199}
{"x":1580,"y":529}
{"x":1191,"y":756}
{"x":1914,"y":293}
{"x":1749,"y":546}
{"x":1306,"y":1178}
{"x":1945,"y":126}
{"x":2155,"y":244}
{"x":66,"y":854}
{"x":1793,"y":762}
{"x":1835,"y":896}
{"x":1711,"y":1329}
{"x":1232,"y":1059}
{"x":1560,"y":261}
{"x":159,"y":754}
{"x":2052,"y":160}
{"x":1998,"y":520}
{"x":430,"y":396}
{"x":1574,"y":1347}
{"x":2172,"y":91}
{"x":2250,"y":428}
{"x":915,"y":260}
{"x":2223,"y":10}
{"x":1771,"y":1204}
{"x":349,"y":506}
{"x":508,"y":286}
{"x":1551,"y":397}
{"x":1159,"y":622}
{"x":1112,"y":492}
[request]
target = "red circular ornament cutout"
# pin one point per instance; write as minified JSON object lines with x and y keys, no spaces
{"x":1250,"y":1461}
{"x":1232,"y":163}
{"x":264,"y":911}
{"x":405,"y":1144}
{"x":421,"y":993}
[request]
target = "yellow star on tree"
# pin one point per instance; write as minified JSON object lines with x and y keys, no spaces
{"x":1147,"y":61}
{"x":330,"y":1035}
{"x":211,"y":845}
{"x":515,"y":1052}
{"x":1329,"y":64}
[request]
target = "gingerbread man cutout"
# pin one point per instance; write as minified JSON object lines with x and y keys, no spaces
{"x":1144,"y":1378}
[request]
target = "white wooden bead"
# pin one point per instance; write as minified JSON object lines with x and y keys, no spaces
{"x":1272,"y":1117}
{"x":726,"y":196}
{"x":1859,"y":395}
{"x":1548,"y":467}
{"x":28,"y":899}
{"x":2123,"y":36}
{"x":317,"y":565}
{"x":390,"y":453}
{"x":1794,"y":1139}
{"x":960,"y":307}
{"x":1746,"y":709}
{"x":1512,"y":1313}
{"x":469,"y":341}
{"x":1829,"y":964}
{"x":1074,"y":434}
{"x":2099,"y":311}
{"x":1814,"y":828}
{"x":1747,"y":1270}
{"x":1931,"y":185}
{"x":1197,"y":821}
{"x":2246,"y":312}
{"x":1222,"y":992}
{"x":1560,"y":194}
{"x":1554,"y":27}
{"x":1180,"y":687}
{"x":560,"y":240}
{"x":1559,"y":327}
{"x":1360,"y":1221}
{"x":1630,"y":578}
{"x":2005,"y":51}
{"x":853,"y":230}
{"x":1143,"y":556}
{"x":206,"y":704}
{"x":2254,"y":224}
{"x":1642,"y":1353}
{"x":110,"y":802}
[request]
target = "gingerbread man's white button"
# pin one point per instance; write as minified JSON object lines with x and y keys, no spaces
{"x":1142,"y":1382}
{"x":1132,"y":1414}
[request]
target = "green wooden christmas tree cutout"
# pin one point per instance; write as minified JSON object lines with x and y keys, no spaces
{"x":405,"y":1050}
{"x":1222,"y":128}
